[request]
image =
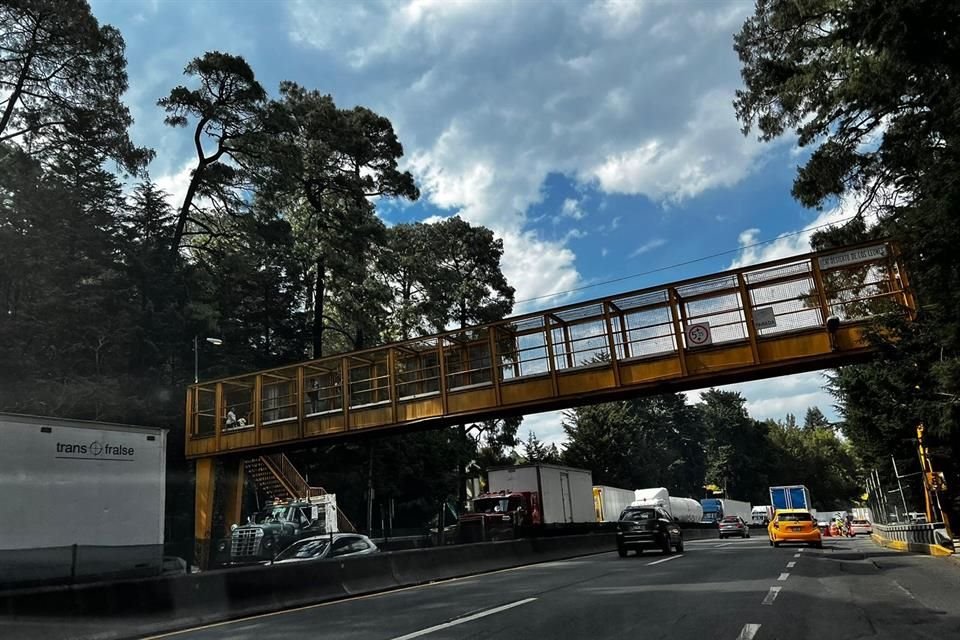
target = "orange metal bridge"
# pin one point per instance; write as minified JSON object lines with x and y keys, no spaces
{"x":796,"y":314}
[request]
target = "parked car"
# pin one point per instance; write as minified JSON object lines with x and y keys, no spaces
{"x":861,"y":526}
{"x":733,"y":526}
{"x":339,"y":545}
{"x":794,"y":525}
{"x":642,"y":528}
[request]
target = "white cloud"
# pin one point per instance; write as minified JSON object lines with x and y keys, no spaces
{"x":546,"y":425}
{"x":648,"y":246}
{"x":793,"y":242}
{"x":571,"y":209}
{"x":492,"y":97}
{"x":175,"y":184}
{"x":537,"y":268}
{"x":776,"y":397}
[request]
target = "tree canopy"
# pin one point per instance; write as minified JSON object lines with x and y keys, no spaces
{"x":871,"y":89}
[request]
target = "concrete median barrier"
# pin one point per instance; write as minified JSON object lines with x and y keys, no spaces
{"x":180,"y":601}
{"x":930,"y":539}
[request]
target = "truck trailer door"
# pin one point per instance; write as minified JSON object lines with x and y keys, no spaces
{"x":565,"y":497}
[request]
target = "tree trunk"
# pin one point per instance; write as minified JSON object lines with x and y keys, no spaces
{"x":185,"y":208}
{"x":318,"y":296}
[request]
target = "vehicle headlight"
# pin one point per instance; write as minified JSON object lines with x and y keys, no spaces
{"x":222,"y":546}
{"x":268,"y":543}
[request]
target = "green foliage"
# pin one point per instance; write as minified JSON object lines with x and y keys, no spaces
{"x":646,"y":442}
{"x":535,"y":452}
{"x":872,"y":87}
{"x":62,"y":76}
{"x":228,"y":108}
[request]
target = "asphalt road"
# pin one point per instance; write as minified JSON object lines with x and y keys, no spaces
{"x":732,"y":589}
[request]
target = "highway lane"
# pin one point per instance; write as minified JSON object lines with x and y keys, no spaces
{"x":716,"y":589}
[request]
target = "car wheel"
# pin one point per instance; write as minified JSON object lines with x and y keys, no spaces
{"x":622,"y":552}
{"x":819,"y":545}
{"x":639,"y":552}
{"x":770,"y":541}
{"x":721,"y":536}
{"x":776,"y":544}
{"x":680,"y":545}
{"x":666,"y":548}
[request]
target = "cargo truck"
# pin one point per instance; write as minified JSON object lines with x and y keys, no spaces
{"x":762,"y":515}
{"x":609,"y":502}
{"x":680,"y":509}
{"x":529,"y":499}
{"x":81,"y":500}
{"x":277,"y":526}
{"x":716,"y":509}
{"x":794,"y":496}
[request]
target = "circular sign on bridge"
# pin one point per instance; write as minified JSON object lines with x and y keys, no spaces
{"x":698,"y":335}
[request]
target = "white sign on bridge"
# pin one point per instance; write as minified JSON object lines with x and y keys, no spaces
{"x":854,"y":256}
{"x":698,"y":335}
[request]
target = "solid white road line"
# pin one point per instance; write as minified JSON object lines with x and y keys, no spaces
{"x":650,"y":564}
{"x":771,"y":595}
{"x":783,"y":576}
{"x":791,"y":565}
{"x":470,"y":618}
{"x":749,"y":630}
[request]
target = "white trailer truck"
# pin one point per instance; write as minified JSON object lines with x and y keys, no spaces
{"x":523,"y":499}
{"x":609,"y":502}
{"x":680,"y":509}
{"x":80,"y":500}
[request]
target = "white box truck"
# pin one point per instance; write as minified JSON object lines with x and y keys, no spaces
{"x":522,"y":499}
{"x":609,"y":502}
{"x":80,"y":500}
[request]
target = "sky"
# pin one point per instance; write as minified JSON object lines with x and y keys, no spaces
{"x":597,"y":138}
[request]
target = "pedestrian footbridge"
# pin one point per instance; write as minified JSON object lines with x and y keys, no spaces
{"x":796,"y":314}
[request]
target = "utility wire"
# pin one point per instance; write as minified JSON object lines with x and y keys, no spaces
{"x":686,"y":262}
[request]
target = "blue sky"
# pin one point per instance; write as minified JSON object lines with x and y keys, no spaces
{"x":597,"y":138}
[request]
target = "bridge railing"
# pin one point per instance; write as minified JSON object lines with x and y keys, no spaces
{"x":680,"y":329}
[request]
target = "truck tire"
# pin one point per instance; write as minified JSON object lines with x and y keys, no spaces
{"x":622,"y":552}
{"x":639,"y":552}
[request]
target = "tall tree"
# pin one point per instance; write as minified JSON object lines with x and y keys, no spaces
{"x":872,"y":87}
{"x":227,"y":108}
{"x":334,"y":160}
{"x":62,"y":76}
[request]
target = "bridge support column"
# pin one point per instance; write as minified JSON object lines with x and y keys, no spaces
{"x":234,"y":494}
{"x":203,"y":511}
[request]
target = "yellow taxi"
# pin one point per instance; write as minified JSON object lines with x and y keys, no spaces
{"x":794,"y":525}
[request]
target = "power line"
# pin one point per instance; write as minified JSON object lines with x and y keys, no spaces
{"x":686,"y":262}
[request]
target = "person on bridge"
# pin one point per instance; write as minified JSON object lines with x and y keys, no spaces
{"x":231,"y":418}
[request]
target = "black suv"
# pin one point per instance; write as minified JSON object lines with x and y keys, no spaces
{"x":642,"y":528}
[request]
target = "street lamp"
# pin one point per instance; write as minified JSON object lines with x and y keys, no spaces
{"x":196,"y":355}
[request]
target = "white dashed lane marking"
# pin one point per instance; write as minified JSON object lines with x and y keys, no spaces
{"x":771,"y":595}
{"x":791,"y":565}
{"x":650,"y":564}
{"x":749,"y":630}
{"x":783,"y":576}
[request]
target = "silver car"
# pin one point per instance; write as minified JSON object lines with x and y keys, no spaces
{"x":338,"y":545}
{"x":734,"y":526}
